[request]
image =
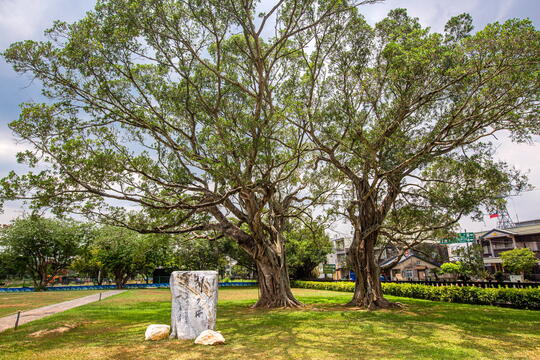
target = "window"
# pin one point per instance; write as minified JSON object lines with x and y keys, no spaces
{"x":407,"y":274}
{"x":505,"y":243}
{"x":532,"y":245}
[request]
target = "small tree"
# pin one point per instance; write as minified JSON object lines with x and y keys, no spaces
{"x":519,"y":261}
{"x":455,"y":268}
{"x":123,"y":253}
{"x":10,"y":266}
{"x":471,"y":261}
{"x":45,"y":246}
{"x":86,"y":265}
{"x":156,"y":251}
{"x":200,"y":254}
{"x":307,"y":246}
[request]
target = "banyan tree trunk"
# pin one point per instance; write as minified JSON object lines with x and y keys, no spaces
{"x":274,"y":285}
{"x":368,"y":290}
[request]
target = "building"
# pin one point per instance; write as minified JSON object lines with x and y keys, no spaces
{"x":338,"y":257}
{"x":523,"y":235}
{"x":415,"y":264}
{"x":410,"y":267}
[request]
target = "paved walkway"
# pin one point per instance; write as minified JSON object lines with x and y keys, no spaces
{"x":8,"y":322}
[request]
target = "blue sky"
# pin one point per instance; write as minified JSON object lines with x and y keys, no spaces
{"x":26,"y":19}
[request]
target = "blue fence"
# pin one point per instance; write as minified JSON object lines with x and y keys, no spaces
{"x":109,"y":287}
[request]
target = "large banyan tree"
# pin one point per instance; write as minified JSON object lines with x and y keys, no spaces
{"x":178,"y":111}
{"x":405,"y":117}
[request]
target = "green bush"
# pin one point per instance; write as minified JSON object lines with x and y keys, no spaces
{"x":228,"y":279}
{"x":517,"y":298}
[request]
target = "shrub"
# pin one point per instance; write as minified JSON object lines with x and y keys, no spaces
{"x":517,"y":298}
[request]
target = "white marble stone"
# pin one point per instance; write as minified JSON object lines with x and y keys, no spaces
{"x":157,"y":332}
{"x":210,"y":337}
{"x":194,"y":303}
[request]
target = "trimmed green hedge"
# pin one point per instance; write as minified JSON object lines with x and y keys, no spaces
{"x":517,"y":298}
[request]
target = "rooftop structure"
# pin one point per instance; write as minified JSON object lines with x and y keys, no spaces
{"x":524,"y":235}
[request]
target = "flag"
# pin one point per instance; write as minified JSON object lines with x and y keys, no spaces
{"x":491,"y":216}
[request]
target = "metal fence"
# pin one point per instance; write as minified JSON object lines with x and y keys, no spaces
{"x":482,"y":284}
{"x":109,"y":287}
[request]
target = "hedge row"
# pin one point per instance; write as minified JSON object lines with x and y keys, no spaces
{"x":517,"y":298}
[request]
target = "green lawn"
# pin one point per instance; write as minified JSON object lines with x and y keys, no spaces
{"x":12,"y":302}
{"x":114,"y":329}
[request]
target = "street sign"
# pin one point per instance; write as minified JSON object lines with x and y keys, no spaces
{"x":464,"y":237}
{"x":329,"y":268}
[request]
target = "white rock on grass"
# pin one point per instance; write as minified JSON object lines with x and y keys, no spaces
{"x":210,"y":337}
{"x":157,"y":332}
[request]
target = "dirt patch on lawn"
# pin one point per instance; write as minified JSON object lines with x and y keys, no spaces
{"x":59,"y":330}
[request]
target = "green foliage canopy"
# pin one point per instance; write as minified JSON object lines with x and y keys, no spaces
{"x":307,"y":246}
{"x":122,"y":254}
{"x":43,"y":247}
{"x":519,"y":261}
{"x":471,"y":260}
{"x":454,"y":268}
{"x":403,"y":118}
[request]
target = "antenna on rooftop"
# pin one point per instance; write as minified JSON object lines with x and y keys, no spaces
{"x":504,"y":221}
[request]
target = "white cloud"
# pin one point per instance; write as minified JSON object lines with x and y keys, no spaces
{"x":26,"y":19}
{"x":9,"y":148}
{"x":525,"y":157}
{"x":433,"y":13}
{"x":503,"y":11}
{"x":11,"y":211}
{"x":20,"y":19}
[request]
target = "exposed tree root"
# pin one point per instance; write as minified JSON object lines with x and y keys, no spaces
{"x":277,"y":303}
{"x":371,"y":304}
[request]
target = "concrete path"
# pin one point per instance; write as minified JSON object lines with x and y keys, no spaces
{"x":8,"y":322}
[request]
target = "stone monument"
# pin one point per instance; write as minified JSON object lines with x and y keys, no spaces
{"x":194,"y":303}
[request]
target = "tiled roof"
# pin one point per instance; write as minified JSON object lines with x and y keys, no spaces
{"x":526,"y":230}
{"x":403,"y":258}
{"x":520,"y":230}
